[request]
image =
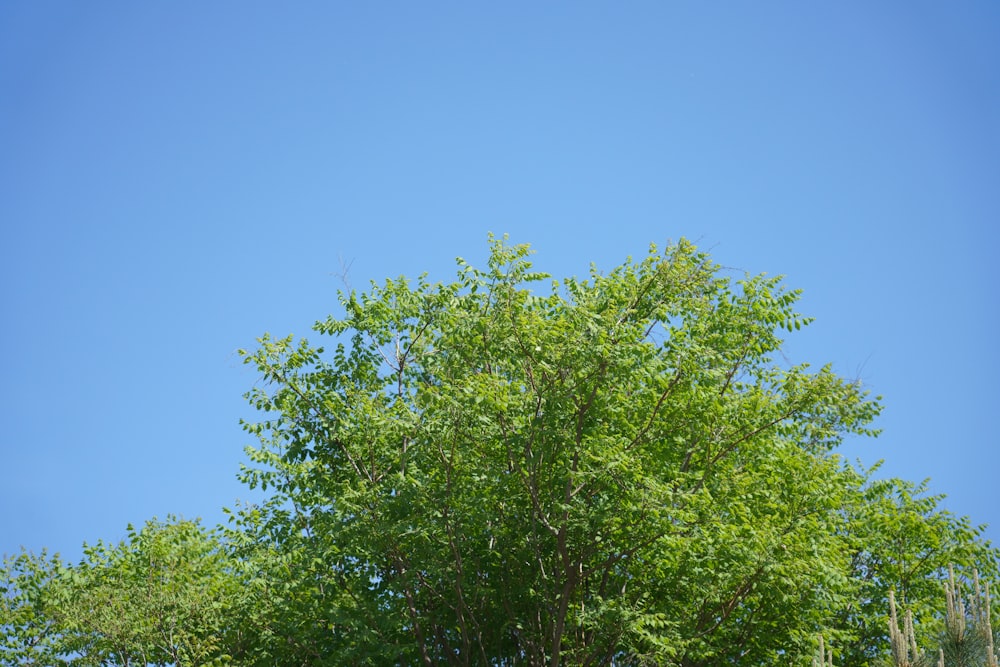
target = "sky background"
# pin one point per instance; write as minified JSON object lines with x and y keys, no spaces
{"x":178,"y":178}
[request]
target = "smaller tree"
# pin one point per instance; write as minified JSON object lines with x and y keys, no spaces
{"x":159,"y":598}
{"x":967,"y":639}
{"x":899,"y":539}
{"x":29,"y":634}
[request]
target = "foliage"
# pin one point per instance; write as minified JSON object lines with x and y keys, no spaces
{"x":616,"y":470}
{"x":901,"y":540}
{"x":966,"y":638}
{"x":609,"y":471}
{"x":158,"y":598}
{"x":28,"y":635}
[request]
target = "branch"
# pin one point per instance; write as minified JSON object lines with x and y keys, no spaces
{"x":326,"y":424}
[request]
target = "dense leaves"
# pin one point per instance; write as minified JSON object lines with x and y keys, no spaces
{"x":160,"y":598}
{"x":510,"y":470}
{"x":901,"y":540}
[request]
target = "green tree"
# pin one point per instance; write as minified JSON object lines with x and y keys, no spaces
{"x":967,"y":639}
{"x":615,"y":471}
{"x":159,"y":598}
{"x":28,"y":633}
{"x":900,"y":539}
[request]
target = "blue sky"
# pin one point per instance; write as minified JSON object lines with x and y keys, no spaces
{"x":178,"y":178}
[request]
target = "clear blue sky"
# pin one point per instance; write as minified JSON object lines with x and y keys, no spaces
{"x":178,"y":178}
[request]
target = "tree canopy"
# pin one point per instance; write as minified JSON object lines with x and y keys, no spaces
{"x":513,"y":470}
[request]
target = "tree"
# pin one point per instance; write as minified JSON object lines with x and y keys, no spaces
{"x":966,"y":638}
{"x":901,"y":540}
{"x":616,"y":471}
{"x":159,"y":598}
{"x":28,"y":636}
